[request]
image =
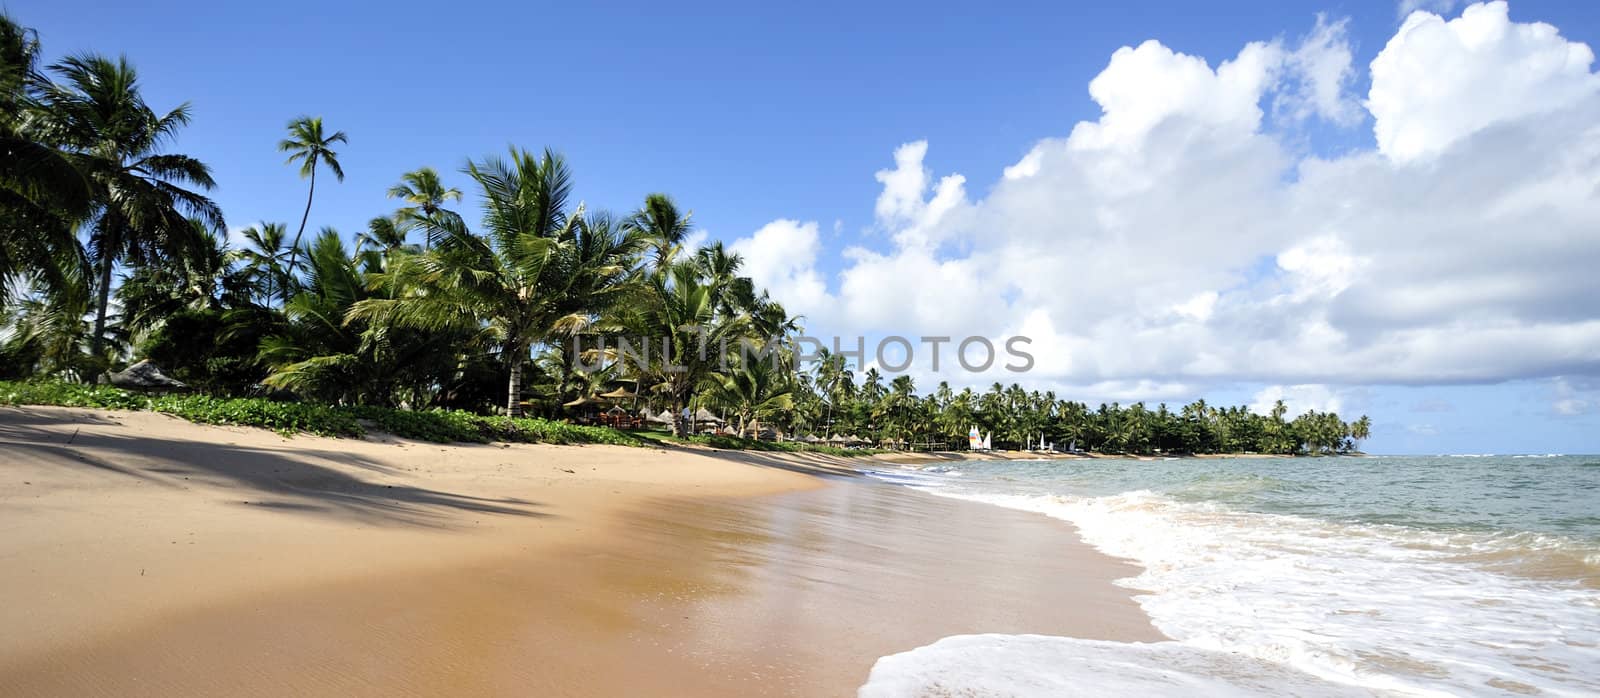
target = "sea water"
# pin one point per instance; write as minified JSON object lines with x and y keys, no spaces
{"x":1440,"y":575}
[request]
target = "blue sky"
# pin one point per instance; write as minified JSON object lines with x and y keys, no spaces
{"x":745,"y":113}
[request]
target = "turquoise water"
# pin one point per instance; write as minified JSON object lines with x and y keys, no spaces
{"x":1449,"y":575}
{"x":1558,"y":495}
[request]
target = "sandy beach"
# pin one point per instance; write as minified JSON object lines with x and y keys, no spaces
{"x":144,"y":555}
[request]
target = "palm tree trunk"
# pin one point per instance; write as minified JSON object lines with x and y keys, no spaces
{"x":514,"y":391}
{"x":294,"y":249}
{"x":678,"y":427}
{"x":104,"y":299}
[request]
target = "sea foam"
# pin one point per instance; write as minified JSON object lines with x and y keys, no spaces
{"x":1386,"y":609}
{"x":1030,"y":666}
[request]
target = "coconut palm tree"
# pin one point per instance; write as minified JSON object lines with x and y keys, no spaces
{"x":754,"y":390}
{"x":380,"y":242}
{"x":537,"y":273}
{"x":689,"y":338}
{"x":42,"y":194}
{"x":270,"y":262}
{"x":660,"y":220}
{"x":425,"y":196}
{"x":141,"y":204}
{"x":319,"y":354}
{"x":307,"y":145}
{"x":206,"y":279}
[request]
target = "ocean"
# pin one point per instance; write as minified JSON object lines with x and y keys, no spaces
{"x":1388,"y":575}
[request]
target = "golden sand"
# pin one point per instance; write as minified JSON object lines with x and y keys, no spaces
{"x":143,"y":555}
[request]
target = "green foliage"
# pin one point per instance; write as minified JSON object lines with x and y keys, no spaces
{"x":213,"y":351}
{"x":439,"y":426}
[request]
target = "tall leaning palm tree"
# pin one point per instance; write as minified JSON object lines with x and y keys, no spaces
{"x":534,"y":275}
{"x":310,"y":148}
{"x":143,"y":198}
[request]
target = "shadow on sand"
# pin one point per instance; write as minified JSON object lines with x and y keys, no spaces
{"x":311,"y":481}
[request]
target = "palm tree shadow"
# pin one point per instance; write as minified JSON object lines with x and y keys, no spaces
{"x":303,"y":481}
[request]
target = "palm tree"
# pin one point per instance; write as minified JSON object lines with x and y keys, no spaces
{"x":380,"y":242}
{"x":319,"y":354}
{"x":660,"y":221}
{"x":424,"y":194}
{"x":42,"y":194}
{"x":207,"y":279}
{"x":679,"y":310}
{"x":754,"y":390}
{"x":142,"y":207}
{"x":307,"y":145}
{"x":1361,"y":429}
{"x":269,"y":261}
{"x":534,"y":276}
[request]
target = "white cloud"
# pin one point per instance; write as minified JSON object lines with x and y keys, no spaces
{"x":1322,"y":67}
{"x":1177,"y":241}
{"x":1570,"y":400}
{"x":1439,"y":81}
{"x":781,"y":257}
{"x":901,"y":206}
{"x":1299,"y":399}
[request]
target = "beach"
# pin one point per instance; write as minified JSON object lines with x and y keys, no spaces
{"x":144,"y":555}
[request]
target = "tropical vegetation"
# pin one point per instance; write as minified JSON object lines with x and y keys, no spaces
{"x":506,"y":322}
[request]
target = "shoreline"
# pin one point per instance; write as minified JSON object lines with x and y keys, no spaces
{"x":928,"y":457}
{"x":246,"y":543}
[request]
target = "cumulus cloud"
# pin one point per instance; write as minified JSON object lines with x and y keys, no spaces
{"x":781,"y":257}
{"x":1177,"y":241}
{"x":1438,"y":81}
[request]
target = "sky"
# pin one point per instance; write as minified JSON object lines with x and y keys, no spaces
{"x":1377,"y":208}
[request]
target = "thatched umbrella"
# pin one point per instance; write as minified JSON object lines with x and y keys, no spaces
{"x":704,"y":415}
{"x":810,"y":438}
{"x":619,"y":394}
{"x":581,"y":402}
{"x":665,"y":417}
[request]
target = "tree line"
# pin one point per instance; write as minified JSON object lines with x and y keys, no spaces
{"x":111,"y":251}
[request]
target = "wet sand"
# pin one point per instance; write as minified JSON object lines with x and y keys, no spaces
{"x":649,"y":577}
